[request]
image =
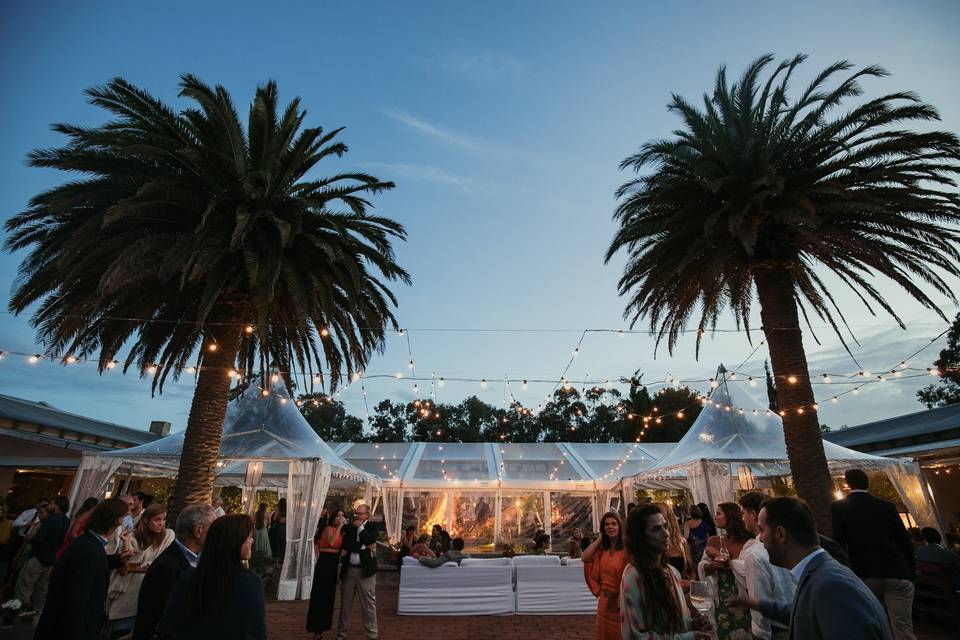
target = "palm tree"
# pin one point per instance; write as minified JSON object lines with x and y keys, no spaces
{"x":759,"y":190}
{"x":191,"y":239}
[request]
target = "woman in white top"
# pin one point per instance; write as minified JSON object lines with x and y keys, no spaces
{"x":148,"y":541}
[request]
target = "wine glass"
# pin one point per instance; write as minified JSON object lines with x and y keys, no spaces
{"x":700,"y":596}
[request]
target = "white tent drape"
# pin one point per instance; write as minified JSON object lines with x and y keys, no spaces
{"x":307,"y":484}
{"x":393,"y":512}
{"x":710,"y":482}
{"x":909,"y":483}
{"x":92,"y":478}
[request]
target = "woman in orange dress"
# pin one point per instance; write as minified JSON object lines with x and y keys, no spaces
{"x":603,"y":563}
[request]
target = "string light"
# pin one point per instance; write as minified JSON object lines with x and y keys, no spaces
{"x":212,"y":347}
{"x":70,"y":359}
{"x":248,"y":329}
{"x":324,"y":332}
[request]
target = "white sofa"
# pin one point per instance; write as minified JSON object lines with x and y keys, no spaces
{"x":553,"y":590}
{"x":495,"y":586}
{"x":474,"y":589}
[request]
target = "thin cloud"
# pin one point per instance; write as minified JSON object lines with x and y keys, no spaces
{"x":436,"y":132}
{"x":484,"y":67}
{"x":428,"y":173}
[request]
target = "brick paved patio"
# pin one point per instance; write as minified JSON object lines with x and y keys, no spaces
{"x":286,"y":620}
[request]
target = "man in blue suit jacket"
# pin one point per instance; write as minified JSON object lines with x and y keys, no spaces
{"x":831,"y":602}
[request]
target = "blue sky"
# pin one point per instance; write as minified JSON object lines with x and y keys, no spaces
{"x":502,"y":124}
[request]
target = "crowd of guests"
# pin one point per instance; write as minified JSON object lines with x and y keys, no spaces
{"x":116,"y":570}
{"x":771,"y":573}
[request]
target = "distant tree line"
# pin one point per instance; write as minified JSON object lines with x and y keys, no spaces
{"x":592,"y":414}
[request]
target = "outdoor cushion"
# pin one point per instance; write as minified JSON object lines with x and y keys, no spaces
{"x":540,"y":561}
{"x":490,"y":562}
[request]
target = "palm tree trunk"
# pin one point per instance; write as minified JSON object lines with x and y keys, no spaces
{"x":801,"y":426}
{"x":201,"y":441}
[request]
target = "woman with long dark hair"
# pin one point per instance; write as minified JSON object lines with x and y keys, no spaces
{"x":324,"y":590}
{"x":278,"y":529}
{"x":652,"y":603}
{"x":150,"y":537}
{"x":261,"y":533}
{"x":221,"y":598}
{"x":732,"y":624}
{"x":603,"y":563}
{"x":678,"y":550}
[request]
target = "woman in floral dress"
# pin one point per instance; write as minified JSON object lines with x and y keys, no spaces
{"x":652,"y":603}
{"x":732,"y":623}
{"x":603,"y":563}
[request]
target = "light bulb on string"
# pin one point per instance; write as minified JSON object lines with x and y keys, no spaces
{"x":792,"y":379}
{"x":441,"y":382}
{"x":275,"y":378}
{"x":483,"y":383}
{"x":70,"y":359}
{"x":524,"y":385}
{"x":212,"y":347}
{"x":35,"y":358}
{"x":191,"y":370}
{"x":112,"y":364}
{"x":752,"y":382}
{"x":264,"y":392}
{"x":826,"y":378}
{"x":249,"y":329}
{"x":398,"y":375}
{"x":401,"y":332}
{"x":152,"y":369}
{"x":410,"y":364}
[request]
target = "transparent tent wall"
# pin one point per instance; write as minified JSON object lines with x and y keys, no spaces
{"x":567,"y":512}
{"x":473,"y":518}
{"x":423,"y":509}
{"x":344,"y":498}
{"x":521,"y":515}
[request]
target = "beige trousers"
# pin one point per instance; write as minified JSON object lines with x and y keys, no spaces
{"x":32,"y":583}
{"x":354,"y":584}
{"x":897,"y":598}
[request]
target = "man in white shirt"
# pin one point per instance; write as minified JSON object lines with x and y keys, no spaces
{"x":762,"y":579}
{"x":359,"y":574}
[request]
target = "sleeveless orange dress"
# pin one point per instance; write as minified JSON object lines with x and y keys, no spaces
{"x":603,"y":575}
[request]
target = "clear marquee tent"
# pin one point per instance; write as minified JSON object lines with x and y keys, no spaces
{"x":737,"y":439}
{"x":266,"y":443}
{"x":491,"y":493}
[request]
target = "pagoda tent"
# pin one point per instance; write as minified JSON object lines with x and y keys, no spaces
{"x":266,"y":443}
{"x":737,"y":439}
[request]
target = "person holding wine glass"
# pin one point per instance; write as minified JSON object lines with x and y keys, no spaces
{"x":150,"y":537}
{"x":732,"y":623}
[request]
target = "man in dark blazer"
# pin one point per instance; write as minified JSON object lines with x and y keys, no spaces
{"x":161,"y":577}
{"x":831,"y":602}
{"x":359,"y":575}
{"x":78,"y":584}
{"x":934,"y":552}
{"x":871,"y":531}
